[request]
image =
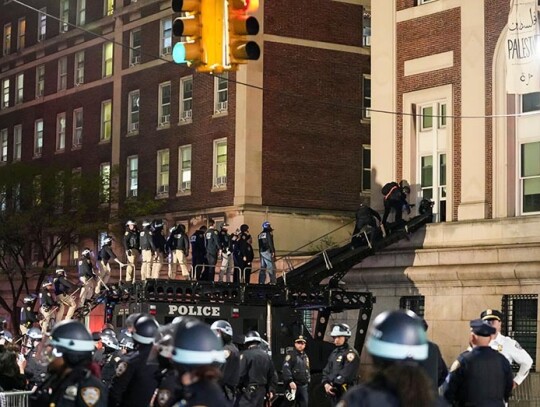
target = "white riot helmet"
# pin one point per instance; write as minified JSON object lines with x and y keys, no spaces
{"x":341,"y":330}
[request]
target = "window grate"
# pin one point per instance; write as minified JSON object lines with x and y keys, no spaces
{"x":520,"y":321}
{"x":414,"y":303}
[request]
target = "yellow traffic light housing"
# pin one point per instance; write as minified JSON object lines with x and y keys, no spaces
{"x":240,"y":48}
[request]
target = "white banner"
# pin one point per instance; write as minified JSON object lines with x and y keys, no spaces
{"x":523,"y":48}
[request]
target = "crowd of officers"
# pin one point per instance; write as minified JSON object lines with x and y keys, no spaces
{"x":190,"y":363}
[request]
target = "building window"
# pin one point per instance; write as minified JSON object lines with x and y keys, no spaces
{"x":163,"y":172}
{"x":36,"y":190}
{"x":60,"y":132}
{"x":105,"y":176}
{"x":38,"y":137}
{"x":77,"y":128}
{"x":366,"y":168}
{"x":17,"y":142}
{"x":133,"y":111}
{"x":184,"y":161}
{"x":64,"y":16}
{"x":109,"y":7}
{"x":79,"y":68}
{"x":5,"y":93}
{"x":107,"y":59}
{"x":40,"y":81}
{"x":164,"y":108}
{"x":7,"y":39}
{"x":106,"y":120}
{"x":530,"y":177}
{"x":220,"y":163}
{"x":186,"y":98}
{"x":42,"y":24}
{"x":366,"y":96}
{"x":530,"y":102}
{"x":221,"y":94}
{"x":166,"y":37}
{"x":366,"y":29}
{"x":81,"y":12}
{"x":21,"y":33}
{"x":3,"y":145}
{"x":132,"y":176}
{"x":521,"y":321}
{"x":426,"y":118}
{"x":19,"y":91}
{"x":442,"y":115}
{"x":414,"y":303}
{"x":76,"y":176}
{"x":135,"y":47}
{"x":62,"y":73}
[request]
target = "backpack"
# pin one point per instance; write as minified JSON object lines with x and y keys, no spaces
{"x":387,"y":187}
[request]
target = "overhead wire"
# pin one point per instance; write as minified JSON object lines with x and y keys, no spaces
{"x":320,"y":101}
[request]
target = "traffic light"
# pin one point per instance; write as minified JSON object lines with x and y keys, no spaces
{"x":202,"y":28}
{"x":241,"y":49}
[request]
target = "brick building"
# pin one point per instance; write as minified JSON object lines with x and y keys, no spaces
{"x":444,"y":121}
{"x":91,"y":84}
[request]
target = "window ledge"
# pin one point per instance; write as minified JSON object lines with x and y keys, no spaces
{"x":163,"y":126}
{"x":75,"y":148}
{"x":184,"y":122}
{"x":132,"y":133}
{"x":218,"y":188}
{"x":162,"y":195}
{"x":183,"y":193}
{"x":365,"y":120}
{"x":60,"y":151}
{"x":220,"y":114}
{"x":106,"y":141}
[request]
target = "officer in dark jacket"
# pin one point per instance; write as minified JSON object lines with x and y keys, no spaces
{"x":178,"y":246}
{"x":227,"y":261}
{"x":296,"y":374}
{"x":111,"y":357}
{"x":62,"y":290}
{"x":28,"y":315}
{"x":213,"y":250}
{"x":434,"y":365}
{"x":105,"y":256}
{"x":87,"y":277}
{"x":70,"y":382}
{"x":159,"y":246}
{"x":135,"y":379}
{"x":231,"y":368}
{"x":482,"y":376}
{"x":47,"y":305}
{"x":244,"y":255}
{"x":198,"y":252}
{"x":395,"y":197}
{"x":36,"y":363}
{"x":267,"y":253}
{"x":341,"y":371}
{"x":147,"y":250}
{"x":365,"y":217}
{"x":258,"y":376}
{"x":132,"y":246}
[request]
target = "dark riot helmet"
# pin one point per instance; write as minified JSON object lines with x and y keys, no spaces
{"x":130,"y":320}
{"x":145,"y":329}
{"x":108,"y":331}
{"x":72,"y":341}
{"x":196,"y":345}
{"x":110,"y":341}
{"x":397,"y":335}
{"x":244,"y":228}
{"x":252,"y":336}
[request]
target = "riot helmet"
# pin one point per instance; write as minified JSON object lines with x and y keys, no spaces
{"x":108,"y":331}
{"x":107,"y":240}
{"x":131,"y":223}
{"x":73,"y":342}
{"x":341,"y":330}
{"x":397,"y":335}
{"x":8,"y":336}
{"x":244,"y":228}
{"x":144,"y":329}
{"x":196,"y":345}
{"x":86,"y":252}
{"x":60,"y":272}
{"x":145,"y":223}
{"x":35,"y":334}
{"x":266,"y":225}
{"x":29,"y":299}
{"x":252,"y":336}
{"x":110,"y":341}
{"x":130,"y":320}
{"x":223,"y":327}
{"x":127,"y":344}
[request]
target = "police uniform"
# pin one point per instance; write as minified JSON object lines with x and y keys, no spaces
{"x":35,"y":369}
{"x":87,"y":277}
{"x":365,"y":216}
{"x":230,"y":370}
{"x":178,"y":245}
{"x":266,"y":252}
{"x":341,"y":369}
{"x":159,"y":246}
{"x":147,"y":249}
{"x":104,"y":258}
{"x":169,"y":390}
{"x":257,"y":377}
{"x":296,"y":369}
{"x":46,"y":309}
{"x":211,"y":241}
{"x":135,"y":381}
{"x":62,"y":287}
{"x":198,"y":252}
{"x":78,"y":389}
{"x":482,"y":376}
{"x":132,"y":247}
{"x":244,"y":255}
{"x":203,"y":393}
{"x":227,"y":262}
{"x":509,"y":348}
{"x":109,"y":363}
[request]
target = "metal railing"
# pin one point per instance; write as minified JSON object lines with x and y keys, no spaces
{"x":14,"y":398}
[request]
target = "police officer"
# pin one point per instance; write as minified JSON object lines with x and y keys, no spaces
{"x":105,"y":256}
{"x":62,"y":288}
{"x":227,"y":262}
{"x":87,"y":277}
{"x":148,"y":249}
{"x":198,"y":252}
{"x":244,"y":255}
{"x":258,"y":376}
{"x":47,"y":305}
{"x":395,"y":197}
{"x":267,"y":253}
{"x":159,"y":247}
{"x":135,"y":380}
{"x":213,"y":250}
{"x":178,"y":245}
{"x":296,"y":374}
{"x":28,"y":315}
{"x":70,"y":382}
{"x":111,"y":356}
{"x":341,"y":371}
{"x":365,"y":217}
{"x":129,"y":327}
{"x":231,"y":368}
{"x":509,"y":347}
{"x":132,"y":246}
{"x":197,"y":351}
{"x":482,"y":376}
{"x":397,"y":344}
{"x":36,"y":364}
